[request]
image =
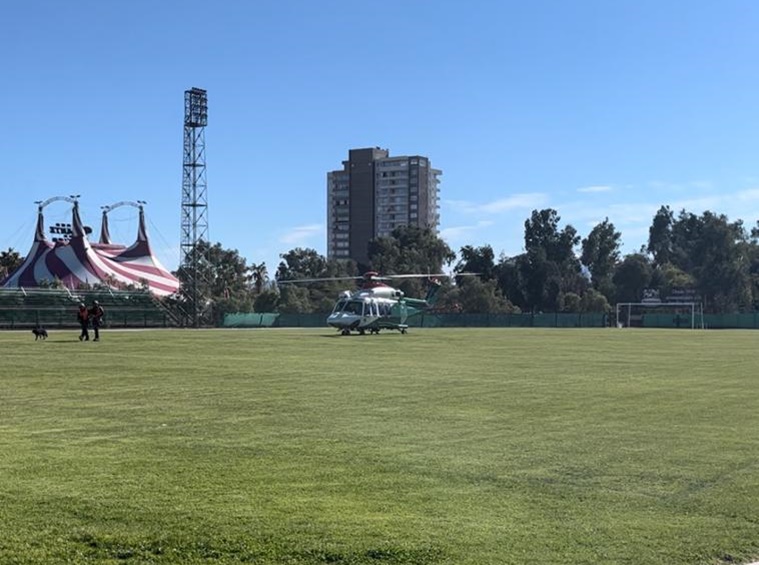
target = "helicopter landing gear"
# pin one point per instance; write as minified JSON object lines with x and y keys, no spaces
{"x":345,"y":332}
{"x":403,"y":331}
{"x":374,"y":331}
{"x":362,"y":332}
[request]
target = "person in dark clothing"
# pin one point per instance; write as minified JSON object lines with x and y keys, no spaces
{"x":83,"y":316}
{"x":96,"y":314}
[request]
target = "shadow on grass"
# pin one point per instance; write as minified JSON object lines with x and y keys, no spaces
{"x":265,"y":550}
{"x":365,"y":336}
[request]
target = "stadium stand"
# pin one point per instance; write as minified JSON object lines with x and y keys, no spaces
{"x":56,"y":308}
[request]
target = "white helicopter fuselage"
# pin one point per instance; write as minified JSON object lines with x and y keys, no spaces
{"x":363,"y":309}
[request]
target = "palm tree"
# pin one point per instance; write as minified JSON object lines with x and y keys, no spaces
{"x":10,"y":260}
{"x":260,"y":277}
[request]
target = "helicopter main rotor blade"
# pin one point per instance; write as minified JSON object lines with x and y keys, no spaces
{"x":423,"y":275}
{"x":324,"y":279}
{"x":373,"y":277}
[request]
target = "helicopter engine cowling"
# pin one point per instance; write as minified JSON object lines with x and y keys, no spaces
{"x":382,"y":292}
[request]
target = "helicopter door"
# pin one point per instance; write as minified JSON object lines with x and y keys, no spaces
{"x":370,"y":309}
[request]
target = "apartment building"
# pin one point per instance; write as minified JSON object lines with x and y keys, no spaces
{"x":373,"y":194}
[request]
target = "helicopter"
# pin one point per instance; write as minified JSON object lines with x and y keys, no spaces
{"x":377,"y":306}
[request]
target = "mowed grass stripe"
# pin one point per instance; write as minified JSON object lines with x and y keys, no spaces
{"x":441,"y":446}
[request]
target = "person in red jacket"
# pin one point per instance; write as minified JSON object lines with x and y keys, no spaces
{"x":96,"y":314}
{"x":83,"y":317}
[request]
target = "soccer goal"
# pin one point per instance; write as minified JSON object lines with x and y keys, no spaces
{"x":660,"y":315}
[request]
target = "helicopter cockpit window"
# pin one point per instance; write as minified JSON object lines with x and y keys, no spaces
{"x":339,"y":306}
{"x":354,"y":308}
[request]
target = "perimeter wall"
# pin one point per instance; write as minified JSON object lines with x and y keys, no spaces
{"x":748,"y":320}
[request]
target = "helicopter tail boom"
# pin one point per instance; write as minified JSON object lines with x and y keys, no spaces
{"x":432,"y":292}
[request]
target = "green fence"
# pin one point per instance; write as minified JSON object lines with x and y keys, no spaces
{"x":253,"y":320}
{"x":21,"y":318}
{"x":745,"y":320}
{"x":54,"y":308}
{"x":560,"y":320}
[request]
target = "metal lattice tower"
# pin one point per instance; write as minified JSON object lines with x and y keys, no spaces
{"x":194,"y":194}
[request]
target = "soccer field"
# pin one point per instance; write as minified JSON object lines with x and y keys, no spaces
{"x":468,"y":446}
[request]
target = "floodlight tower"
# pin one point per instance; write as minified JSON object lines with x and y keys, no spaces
{"x":194,"y":196}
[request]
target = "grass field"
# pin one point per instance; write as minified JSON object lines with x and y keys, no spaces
{"x":438,"y":447}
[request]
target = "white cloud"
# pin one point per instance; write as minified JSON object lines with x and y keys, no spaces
{"x":301,"y":234}
{"x":580,"y":212}
{"x":681,"y":186}
{"x":748,"y":195}
{"x":515,"y":202}
{"x":456,"y":232}
{"x":521,"y":201}
{"x":633,"y":219}
{"x":592,"y":189}
{"x":698,"y":205}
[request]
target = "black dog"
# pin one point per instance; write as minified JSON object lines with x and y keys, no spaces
{"x":39,"y":333}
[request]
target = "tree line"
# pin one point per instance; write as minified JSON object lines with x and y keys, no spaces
{"x":706,"y":255}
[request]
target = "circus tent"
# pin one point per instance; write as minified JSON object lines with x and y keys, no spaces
{"x":76,"y":262}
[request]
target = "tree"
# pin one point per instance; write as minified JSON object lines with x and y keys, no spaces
{"x":542,"y":281}
{"x":10,"y":260}
{"x":660,"y":243}
{"x":317,"y":296}
{"x":294,"y":299}
{"x":711,"y":249}
{"x":600,"y":254}
{"x":475,"y":296}
{"x":266,"y":301}
{"x":549,"y":267}
{"x":594,"y":301}
{"x":510,"y":280}
{"x":631,"y":277}
{"x":259,"y":275}
{"x":541,"y":232}
{"x":752,"y":255}
{"x":572,"y":302}
{"x":667,"y":277}
{"x":410,"y":250}
{"x":222,"y":283}
{"x":477,"y":260}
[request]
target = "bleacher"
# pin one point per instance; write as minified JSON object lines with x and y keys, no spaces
{"x":57,"y":308}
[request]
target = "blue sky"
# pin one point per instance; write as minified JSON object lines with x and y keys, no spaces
{"x":593,"y":107}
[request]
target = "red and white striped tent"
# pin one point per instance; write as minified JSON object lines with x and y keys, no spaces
{"x":76,"y":261}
